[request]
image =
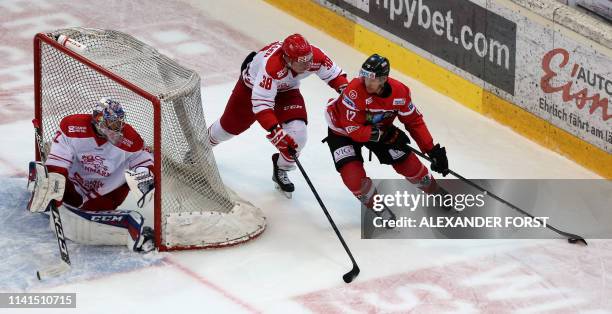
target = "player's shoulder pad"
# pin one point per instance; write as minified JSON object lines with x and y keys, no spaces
{"x":275,"y":66}
{"x":353,"y":95}
{"x":320,"y":59}
{"x":398,"y":88}
{"x":131,"y":142}
{"x":77,"y":126}
{"x":399,"y":92}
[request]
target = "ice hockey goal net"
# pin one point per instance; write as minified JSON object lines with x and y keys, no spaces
{"x":192,"y":206}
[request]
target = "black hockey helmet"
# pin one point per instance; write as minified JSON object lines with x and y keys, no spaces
{"x":375,"y":66}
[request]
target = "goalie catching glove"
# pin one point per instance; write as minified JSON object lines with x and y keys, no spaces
{"x":45,"y":187}
{"x":141,"y":182}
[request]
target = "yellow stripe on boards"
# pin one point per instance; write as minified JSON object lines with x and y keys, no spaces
{"x":547,"y":135}
{"x":410,"y":63}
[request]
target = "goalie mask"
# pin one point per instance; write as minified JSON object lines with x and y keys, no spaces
{"x":109,"y":119}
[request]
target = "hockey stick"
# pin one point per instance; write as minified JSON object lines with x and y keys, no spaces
{"x":64,"y":264}
{"x":352,"y":274}
{"x":571,"y":238}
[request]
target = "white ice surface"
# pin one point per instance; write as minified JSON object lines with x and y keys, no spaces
{"x":295,"y":266}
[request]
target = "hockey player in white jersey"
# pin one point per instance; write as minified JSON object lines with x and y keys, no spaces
{"x":96,"y":159}
{"x":268,"y":92}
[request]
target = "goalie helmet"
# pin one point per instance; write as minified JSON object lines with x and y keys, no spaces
{"x":108,"y":119}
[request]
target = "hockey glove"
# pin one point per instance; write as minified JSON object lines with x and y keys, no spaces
{"x":376,"y":134}
{"x":140,"y":181}
{"x":339,"y":83}
{"x":439,"y":162}
{"x":395,"y":137}
{"x":390,"y":135}
{"x":282,"y":141}
{"x":45,"y":186}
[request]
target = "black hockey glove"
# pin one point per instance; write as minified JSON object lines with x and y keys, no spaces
{"x":376,"y":134}
{"x":395,"y":137}
{"x":439,"y":162}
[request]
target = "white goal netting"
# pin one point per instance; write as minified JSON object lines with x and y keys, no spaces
{"x":193,"y":208}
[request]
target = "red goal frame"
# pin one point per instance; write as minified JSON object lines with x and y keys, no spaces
{"x":42,"y":38}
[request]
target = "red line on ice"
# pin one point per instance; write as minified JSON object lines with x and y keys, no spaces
{"x":15,"y":172}
{"x":210,"y":285}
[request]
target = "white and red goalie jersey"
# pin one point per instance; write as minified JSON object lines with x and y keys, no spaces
{"x":94,"y":165}
{"x":267,"y":74}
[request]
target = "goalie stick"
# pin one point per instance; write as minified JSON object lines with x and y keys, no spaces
{"x":64,"y":265}
{"x":354,"y":272}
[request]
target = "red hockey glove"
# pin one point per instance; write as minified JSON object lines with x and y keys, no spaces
{"x":283,"y":141}
{"x":339,"y":83}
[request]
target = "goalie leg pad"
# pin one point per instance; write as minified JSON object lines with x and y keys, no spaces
{"x":45,"y":187}
{"x":120,"y":227}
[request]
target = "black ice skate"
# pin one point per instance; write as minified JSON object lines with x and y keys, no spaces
{"x":280,"y":178}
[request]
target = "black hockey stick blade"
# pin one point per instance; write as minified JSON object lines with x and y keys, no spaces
{"x":571,"y":238}
{"x":351,"y":275}
{"x":577,"y":239}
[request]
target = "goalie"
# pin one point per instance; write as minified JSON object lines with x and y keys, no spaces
{"x":94,"y":162}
